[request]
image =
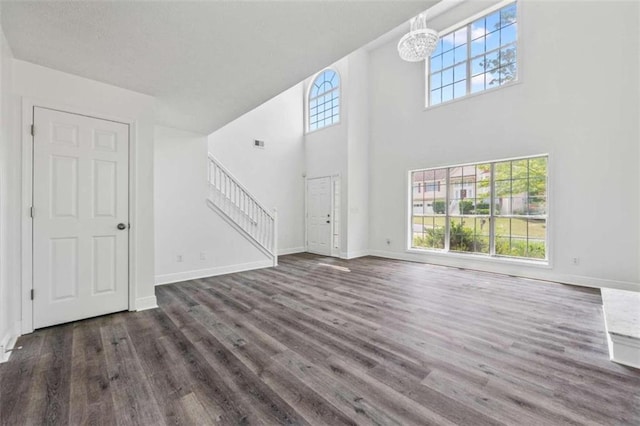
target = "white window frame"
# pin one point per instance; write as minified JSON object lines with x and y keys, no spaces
{"x":464,"y":23}
{"x":307,"y":101}
{"x":491,"y":256}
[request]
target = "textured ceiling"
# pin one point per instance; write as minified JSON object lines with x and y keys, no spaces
{"x":207,"y":63}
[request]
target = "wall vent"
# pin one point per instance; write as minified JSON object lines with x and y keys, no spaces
{"x":258,"y":144}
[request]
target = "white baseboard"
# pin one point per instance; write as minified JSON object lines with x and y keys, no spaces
{"x":211,"y":272}
{"x":283,"y":252}
{"x":534,"y":272}
{"x":356,"y":254}
{"x":144,"y":303}
{"x":8,"y":342}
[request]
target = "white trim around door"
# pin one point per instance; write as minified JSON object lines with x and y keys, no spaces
{"x":28,"y":107}
{"x":330,"y":246}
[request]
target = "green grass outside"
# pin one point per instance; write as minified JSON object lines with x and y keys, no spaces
{"x":537,"y":229}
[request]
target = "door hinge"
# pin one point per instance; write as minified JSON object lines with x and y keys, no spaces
{"x":31,"y":212}
{"x":32,"y":294}
{"x":33,"y":130}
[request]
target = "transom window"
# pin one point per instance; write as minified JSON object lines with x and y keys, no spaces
{"x":475,"y":57}
{"x":494,"y":209}
{"x":324,"y":100}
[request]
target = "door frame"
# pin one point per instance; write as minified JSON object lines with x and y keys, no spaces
{"x":26,"y":255}
{"x":333,"y":178}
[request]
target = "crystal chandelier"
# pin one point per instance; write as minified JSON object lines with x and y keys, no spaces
{"x":418,"y":43}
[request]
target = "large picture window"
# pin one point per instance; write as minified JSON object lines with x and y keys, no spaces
{"x":494,"y":208}
{"x":475,"y":57}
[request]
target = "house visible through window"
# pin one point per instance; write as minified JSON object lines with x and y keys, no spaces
{"x":494,"y":208}
{"x":475,"y":57}
{"x":324,"y":100}
{"x":432,"y":187}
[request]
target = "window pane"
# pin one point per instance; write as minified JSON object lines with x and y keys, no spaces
{"x":436,"y":80}
{"x":447,"y":93}
{"x":521,"y":237}
{"x":493,"y":40}
{"x":538,"y":167}
{"x":507,"y":56}
{"x":460,"y":54}
{"x":460,"y":36}
{"x":460,"y":89}
{"x":493,"y":21}
{"x":435,"y":97}
{"x":477,"y":65}
{"x":447,"y":59}
{"x":477,"y":47}
{"x":436,"y":63}
{"x":491,"y":79}
{"x":477,"y":83}
{"x":508,"y":15}
{"x":507,"y":73}
{"x":492,"y":60}
{"x":429,"y":233}
{"x":468,"y":234}
{"x":537,"y":206}
{"x":478,"y":29}
{"x":447,"y":42}
{"x":447,"y":76}
{"x":459,"y":72}
{"x":508,"y":34}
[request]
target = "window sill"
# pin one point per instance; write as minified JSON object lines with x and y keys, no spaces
{"x":543,"y":264}
{"x":473,"y":95}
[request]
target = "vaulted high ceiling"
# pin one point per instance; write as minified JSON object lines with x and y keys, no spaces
{"x":207,"y":63}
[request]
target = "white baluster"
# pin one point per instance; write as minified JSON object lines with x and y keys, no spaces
{"x":274,"y":230}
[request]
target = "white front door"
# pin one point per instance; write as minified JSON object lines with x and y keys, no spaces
{"x":80,"y":217}
{"x":319,"y":215}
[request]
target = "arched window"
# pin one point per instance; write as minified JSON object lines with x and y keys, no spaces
{"x":324,"y":100}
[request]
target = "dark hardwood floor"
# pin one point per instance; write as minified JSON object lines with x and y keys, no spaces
{"x":382,"y":342}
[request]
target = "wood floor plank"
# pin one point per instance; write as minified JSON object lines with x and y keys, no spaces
{"x":91,"y":400}
{"x":375,"y":341}
{"x":132,"y":398}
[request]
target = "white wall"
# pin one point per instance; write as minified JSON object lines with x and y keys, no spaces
{"x":273,"y":174}
{"x":9,"y":217}
{"x":184,"y":225}
{"x":358,"y":154}
{"x":577,"y":101}
{"x":46,"y":85}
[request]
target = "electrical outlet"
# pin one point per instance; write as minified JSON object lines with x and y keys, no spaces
{"x":575,"y":260}
{"x":179,"y":258}
{"x":203,"y":256}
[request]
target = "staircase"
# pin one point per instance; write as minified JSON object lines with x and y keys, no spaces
{"x":235,"y":204}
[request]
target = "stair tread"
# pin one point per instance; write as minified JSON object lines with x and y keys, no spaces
{"x":622,"y":312}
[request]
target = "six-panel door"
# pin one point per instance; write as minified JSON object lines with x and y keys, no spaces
{"x":80,"y":195}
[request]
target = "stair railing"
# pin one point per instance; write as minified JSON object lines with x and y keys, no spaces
{"x":232,"y":199}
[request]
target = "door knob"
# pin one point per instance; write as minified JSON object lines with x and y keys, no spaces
{"x":328,"y":221}
{"x":122,"y":226}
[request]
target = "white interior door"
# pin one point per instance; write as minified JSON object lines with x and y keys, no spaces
{"x":319,"y":215}
{"x":80,"y":217}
